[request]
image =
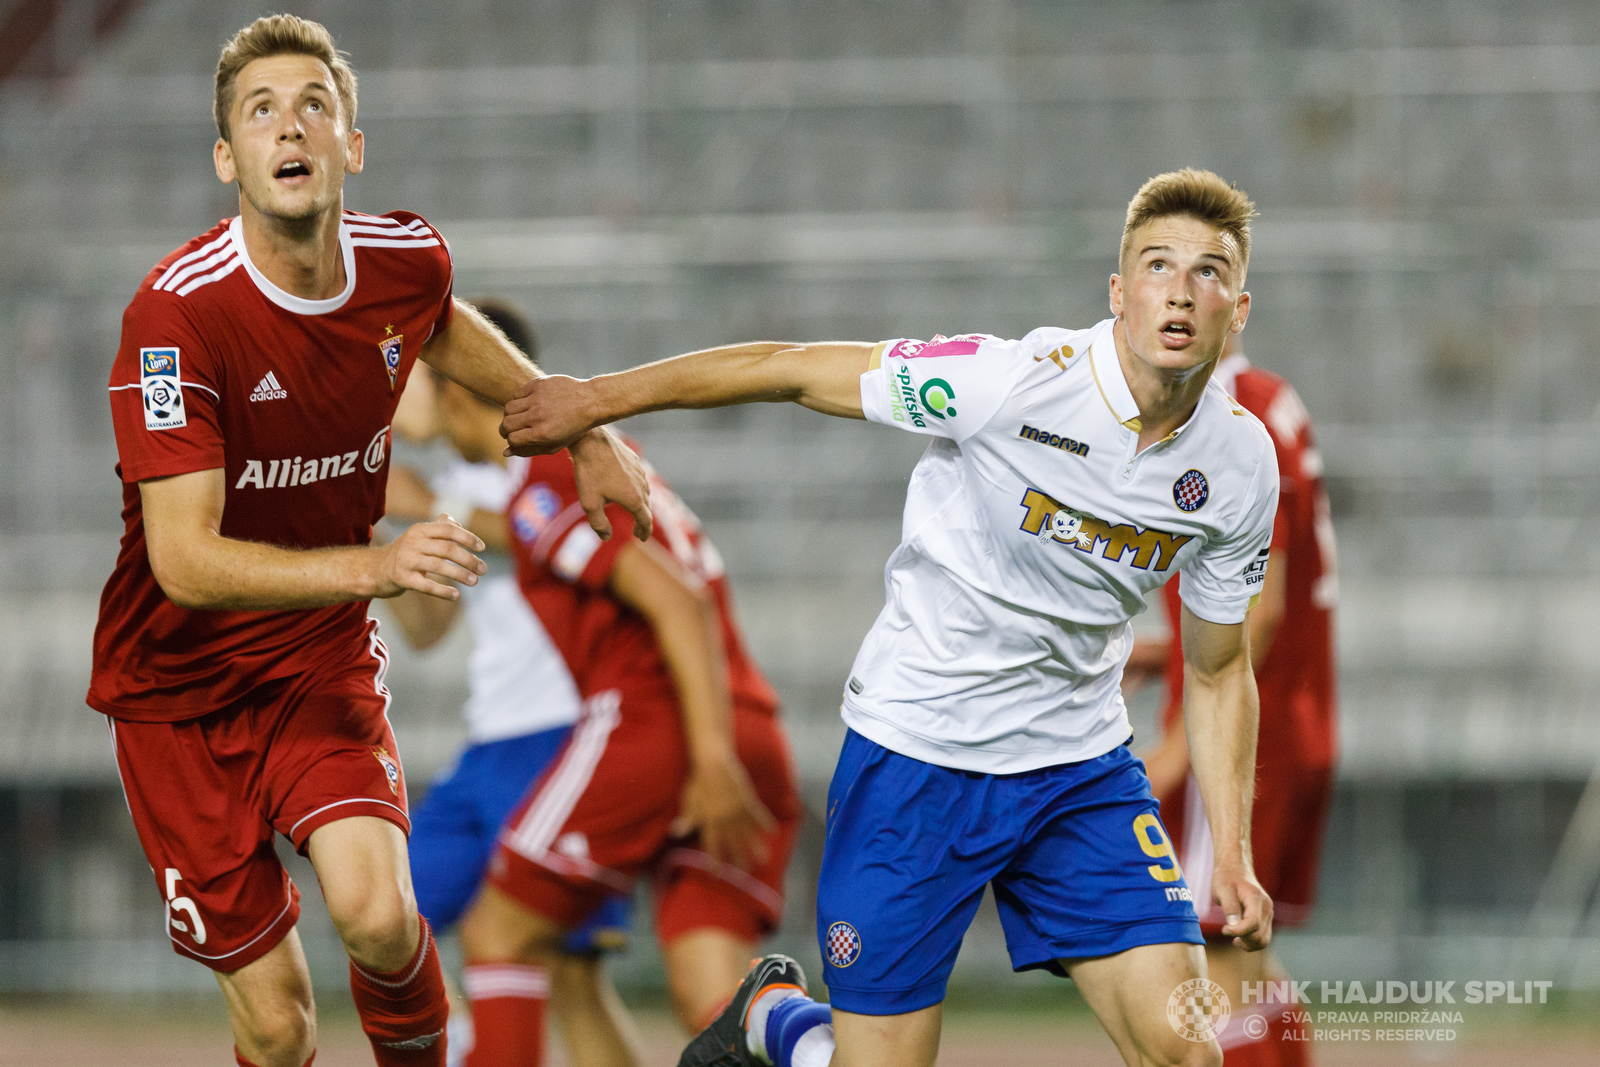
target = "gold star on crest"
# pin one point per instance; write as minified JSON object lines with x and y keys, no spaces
{"x":388,"y":330}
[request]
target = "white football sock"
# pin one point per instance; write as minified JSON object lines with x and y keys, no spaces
{"x":755,"y":1033}
{"x":815,"y":1047}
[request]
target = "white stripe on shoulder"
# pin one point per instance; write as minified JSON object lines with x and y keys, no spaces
{"x":217,"y":275}
{"x":197,"y":267}
{"x":414,"y":226}
{"x":393,"y":242}
{"x":178,"y":264}
{"x":386,"y":231}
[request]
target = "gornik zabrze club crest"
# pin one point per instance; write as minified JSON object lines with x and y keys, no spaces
{"x":390,"y":348}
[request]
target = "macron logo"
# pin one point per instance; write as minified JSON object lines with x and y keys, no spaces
{"x":269,"y":389}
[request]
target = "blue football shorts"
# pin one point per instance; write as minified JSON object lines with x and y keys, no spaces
{"x":454,"y":829}
{"x":1080,"y":863}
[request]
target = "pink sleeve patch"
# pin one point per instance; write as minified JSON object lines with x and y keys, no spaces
{"x":962,"y":345}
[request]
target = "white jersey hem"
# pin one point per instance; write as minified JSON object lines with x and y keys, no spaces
{"x":980,"y":758}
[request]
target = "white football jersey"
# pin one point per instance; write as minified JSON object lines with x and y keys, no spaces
{"x":517,"y":682}
{"x":1033,"y":529}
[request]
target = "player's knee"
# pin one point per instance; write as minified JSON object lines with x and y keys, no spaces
{"x":280,"y":1034}
{"x":379,"y":926}
{"x":1181,"y":1053}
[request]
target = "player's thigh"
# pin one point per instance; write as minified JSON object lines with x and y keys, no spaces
{"x":1097,"y":873}
{"x":694,"y":891}
{"x":270,"y":1006}
{"x":601,"y":815}
{"x":331,"y":753}
{"x":909,"y":849}
{"x":1130,"y":993}
{"x":907,"y":1040}
{"x":192,"y":789}
{"x":704,"y":966}
{"x":1291,"y":843}
{"x":362,"y":864}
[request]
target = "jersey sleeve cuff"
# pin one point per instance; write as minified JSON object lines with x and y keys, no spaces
{"x":146,"y":469}
{"x":1224,"y":611}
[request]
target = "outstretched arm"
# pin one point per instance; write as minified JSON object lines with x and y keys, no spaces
{"x":1221,"y":713}
{"x":472,"y":352}
{"x":550,"y":412}
{"x":718,"y":800}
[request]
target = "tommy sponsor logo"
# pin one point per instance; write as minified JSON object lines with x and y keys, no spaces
{"x":1054,"y":440}
{"x":1085,"y":533}
{"x":268,"y":389}
{"x":162,"y":389}
{"x":844,"y":944}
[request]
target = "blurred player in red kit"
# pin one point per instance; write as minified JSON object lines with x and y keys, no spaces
{"x":1291,"y":646}
{"x":677,"y":768}
{"x":259,"y":369}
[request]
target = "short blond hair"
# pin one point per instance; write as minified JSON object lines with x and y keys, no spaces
{"x":1198,"y":194}
{"x":281,"y":35}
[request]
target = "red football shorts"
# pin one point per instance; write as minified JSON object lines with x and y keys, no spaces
{"x":601,"y":815}
{"x":1286,"y":829}
{"x":208,"y":794}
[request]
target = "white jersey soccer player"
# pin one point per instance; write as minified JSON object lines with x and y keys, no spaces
{"x":1034,"y":527}
{"x":1071,"y":473}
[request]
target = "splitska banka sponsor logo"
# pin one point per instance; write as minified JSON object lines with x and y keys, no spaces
{"x":1049,"y":520}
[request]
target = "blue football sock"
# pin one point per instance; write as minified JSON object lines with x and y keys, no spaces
{"x":791,"y":1020}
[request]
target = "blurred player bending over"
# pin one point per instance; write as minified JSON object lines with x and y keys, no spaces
{"x":1291,"y":646}
{"x":521,"y":705}
{"x":1070,"y":473}
{"x":657,"y":777}
{"x":251,"y":395}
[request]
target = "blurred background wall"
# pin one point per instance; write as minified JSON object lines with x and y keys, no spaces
{"x":646,"y":179}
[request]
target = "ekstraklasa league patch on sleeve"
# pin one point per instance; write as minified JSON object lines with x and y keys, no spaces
{"x":162,"y":389}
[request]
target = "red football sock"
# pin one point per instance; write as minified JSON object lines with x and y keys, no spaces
{"x":508,"y":1001}
{"x":404,"y":1012}
{"x":1293,"y":1042}
{"x":238,"y":1057}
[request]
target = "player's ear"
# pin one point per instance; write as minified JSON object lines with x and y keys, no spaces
{"x":1116,"y":295}
{"x":1241,"y":312}
{"x":355,"y":152}
{"x":222,"y":156}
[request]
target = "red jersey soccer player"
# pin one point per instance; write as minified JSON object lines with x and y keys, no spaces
{"x":1291,"y":645}
{"x":259,"y":368}
{"x":648,"y":632}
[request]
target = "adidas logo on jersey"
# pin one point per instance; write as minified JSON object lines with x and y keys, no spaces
{"x":268,"y":389}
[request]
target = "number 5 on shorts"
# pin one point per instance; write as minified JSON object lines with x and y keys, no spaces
{"x":177,"y":903}
{"x":1156,"y":846}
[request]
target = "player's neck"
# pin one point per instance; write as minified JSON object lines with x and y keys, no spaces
{"x":1166,"y":399}
{"x":299,"y":256}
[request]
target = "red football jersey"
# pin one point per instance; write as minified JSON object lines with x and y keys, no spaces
{"x":218,"y":367}
{"x":564,"y":569}
{"x":1296,"y":680}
